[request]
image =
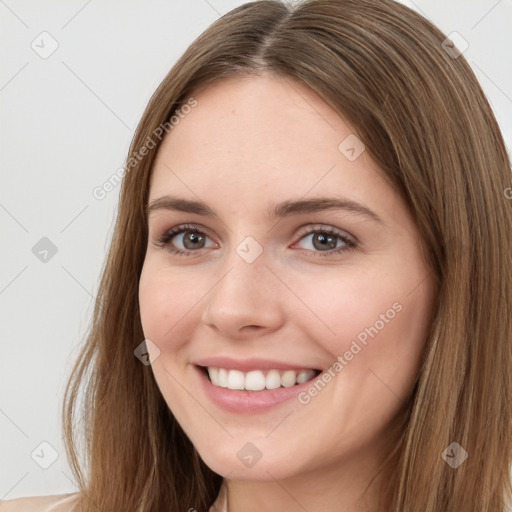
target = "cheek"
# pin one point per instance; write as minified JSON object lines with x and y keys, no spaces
{"x":348,"y":300}
{"x":167,"y":299}
{"x":375,"y":319}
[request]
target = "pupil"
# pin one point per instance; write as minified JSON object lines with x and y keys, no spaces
{"x":326,"y":240}
{"x":192,"y":237}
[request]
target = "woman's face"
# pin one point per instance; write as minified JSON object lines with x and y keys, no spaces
{"x":299,"y":258}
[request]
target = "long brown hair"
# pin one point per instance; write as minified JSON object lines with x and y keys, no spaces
{"x":425,"y":120}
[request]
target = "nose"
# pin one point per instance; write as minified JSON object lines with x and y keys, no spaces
{"x":246,"y":301}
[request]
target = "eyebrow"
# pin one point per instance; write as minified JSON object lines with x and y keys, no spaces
{"x":280,"y":210}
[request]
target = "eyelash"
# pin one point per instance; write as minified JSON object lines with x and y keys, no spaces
{"x":165,"y":239}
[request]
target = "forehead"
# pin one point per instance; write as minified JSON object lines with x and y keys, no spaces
{"x":263,"y":117}
{"x":255,"y":141}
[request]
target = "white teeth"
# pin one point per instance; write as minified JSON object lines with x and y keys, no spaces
{"x":288,"y":378}
{"x":304,"y":376}
{"x":223,"y":378}
{"x":213,"y":373}
{"x":254,"y":381}
{"x":236,"y":379}
{"x":257,"y":380}
{"x":273,"y":380}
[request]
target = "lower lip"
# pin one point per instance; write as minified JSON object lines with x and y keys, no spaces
{"x":243,"y":401}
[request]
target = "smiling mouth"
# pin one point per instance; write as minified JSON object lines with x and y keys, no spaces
{"x":257,"y":380}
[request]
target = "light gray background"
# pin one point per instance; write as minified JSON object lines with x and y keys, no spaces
{"x":67,"y":122}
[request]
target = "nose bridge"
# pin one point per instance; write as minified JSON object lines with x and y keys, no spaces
{"x":246,"y":291}
{"x":246,"y":273}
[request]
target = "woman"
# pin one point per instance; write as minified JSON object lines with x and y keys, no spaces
{"x":306,"y":303}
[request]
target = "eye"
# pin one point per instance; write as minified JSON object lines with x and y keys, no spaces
{"x":192,"y":239}
{"x":325,"y":241}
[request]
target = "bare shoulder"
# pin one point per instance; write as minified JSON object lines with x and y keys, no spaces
{"x":53,"y":503}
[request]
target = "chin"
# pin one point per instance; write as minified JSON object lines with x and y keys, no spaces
{"x":248,"y":462}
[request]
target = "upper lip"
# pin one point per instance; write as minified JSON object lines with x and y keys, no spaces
{"x":245,"y":365}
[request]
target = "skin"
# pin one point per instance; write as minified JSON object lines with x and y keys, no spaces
{"x":249,"y":144}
